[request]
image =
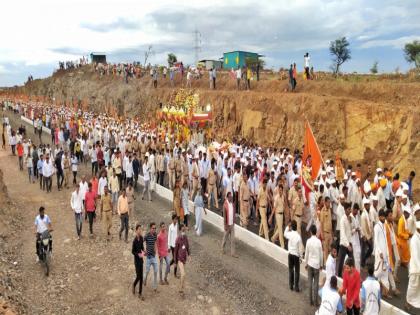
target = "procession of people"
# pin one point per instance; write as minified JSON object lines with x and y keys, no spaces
{"x":348,"y":221}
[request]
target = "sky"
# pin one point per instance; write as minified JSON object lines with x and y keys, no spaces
{"x":35,"y":35}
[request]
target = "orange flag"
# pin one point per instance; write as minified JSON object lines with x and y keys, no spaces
{"x":311,"y":154}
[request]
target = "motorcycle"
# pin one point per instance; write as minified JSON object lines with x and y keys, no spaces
{"x":45,"y":250}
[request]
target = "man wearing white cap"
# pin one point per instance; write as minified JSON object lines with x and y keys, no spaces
{"x":373,"y":212}
{"x":378,"y":176}
{"x":413,"y":290}
{"x":381,"y":253}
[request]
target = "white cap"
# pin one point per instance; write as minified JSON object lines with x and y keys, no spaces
{"x":404,"y":196}
{"x":316,"y":183}
{"x":366,"y":201}
{"x":374,"y":198}
{"x":416,"y":208}
{"x":353,"y":173}
{"x":323,"y":173}
{"x":418,"y":225}
{"x":406,"y":208}
{"x":378,"y":170}
{"x":342,"y":196}
{"x":346,"y":177}
{"x":404,"y":186}
{"x":399,"y":193}
{"x":332,"y":181}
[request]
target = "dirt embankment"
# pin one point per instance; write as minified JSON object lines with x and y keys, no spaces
{"x":365,"y":119}
{"x":11,"y":301}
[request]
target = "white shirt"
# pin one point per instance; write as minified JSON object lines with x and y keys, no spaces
{"x":101,"y":185}
{"x":146,"y":172}
{"x":47,"y":168}
{"x":172,"y":234}
{"x":129,"y":169}
{"x":204,"y":168}
{"x":74,"y":163}
{"x":345,"y":231}
{"x":42,"y":224}
{"x":295,"y":242}
{"x":371,"y":290}
{"x":236,"y":181}
{"x":76,"y":201}
{"x":340,"y":213}
{"x":230,"y":214}
{"x":330,"y":302}
{"x":330,"y":266}
{"x":313,"y":252}
{"x":414,"y":267}
{"x":83,"y":189}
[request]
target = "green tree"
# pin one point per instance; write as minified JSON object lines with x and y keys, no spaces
{"x":412,"y":53}
{"x":171,"y":59}
{"x":374,"y":69}
{"x":340,"y":51}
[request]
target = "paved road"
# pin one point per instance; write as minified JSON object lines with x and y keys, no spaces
{"x":268,"y":270}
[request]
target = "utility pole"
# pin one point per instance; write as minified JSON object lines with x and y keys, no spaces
{"x":197,"y":45}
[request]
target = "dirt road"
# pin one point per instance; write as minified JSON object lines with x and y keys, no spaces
{"x":92,"y":276}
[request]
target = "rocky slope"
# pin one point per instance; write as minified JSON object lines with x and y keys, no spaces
{"x":11,"y":300}
{"x":364,"y":119}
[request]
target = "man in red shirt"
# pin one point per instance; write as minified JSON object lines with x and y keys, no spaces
{"x":19,"y":149}
{"x":351,"y":287}
{"x":90,"y":206}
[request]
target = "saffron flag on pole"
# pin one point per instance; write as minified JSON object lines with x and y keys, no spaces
{"x":312,"y":160}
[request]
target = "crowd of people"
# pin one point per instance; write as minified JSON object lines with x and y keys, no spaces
{"x":73,"y":64}
{"x":361,"y":221}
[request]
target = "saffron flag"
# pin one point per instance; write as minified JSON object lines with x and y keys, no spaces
{"x":311,"y":154}
{"x":311,"y":161}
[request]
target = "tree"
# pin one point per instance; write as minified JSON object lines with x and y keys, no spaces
{"x":171,"y":59}
{"x":374,"y":69}
{"x":412,"y":53}
{"x":340,"y":51}
{"x":147,"y":54}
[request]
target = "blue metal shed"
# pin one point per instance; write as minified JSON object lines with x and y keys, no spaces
{"x":235,"y":59}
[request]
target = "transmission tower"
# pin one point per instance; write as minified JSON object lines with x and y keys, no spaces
{"x":197,"y":44}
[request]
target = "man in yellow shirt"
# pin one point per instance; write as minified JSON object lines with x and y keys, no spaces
{"x":123,"y":210}
{"x":262,"y":206}
{"x":106,"y":212}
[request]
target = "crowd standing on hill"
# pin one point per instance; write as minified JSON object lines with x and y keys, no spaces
{"x":348,"y":222}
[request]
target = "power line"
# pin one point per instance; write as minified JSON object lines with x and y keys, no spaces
{"x":197,"y":44}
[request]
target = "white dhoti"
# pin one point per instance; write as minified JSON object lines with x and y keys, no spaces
{"x":381,"y":272}
{"x":199,"y":220}
{"x":413,"y":290}
{"x":357,"y":250}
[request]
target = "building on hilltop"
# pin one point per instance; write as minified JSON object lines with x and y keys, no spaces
{"x":98,"y":57}
{"x":210,"y":64}
{"x":238,"y":58}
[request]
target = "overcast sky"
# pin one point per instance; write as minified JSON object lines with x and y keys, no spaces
{"x":35,"y":35}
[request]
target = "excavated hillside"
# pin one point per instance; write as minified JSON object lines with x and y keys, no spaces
{"x":373,"y":120}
